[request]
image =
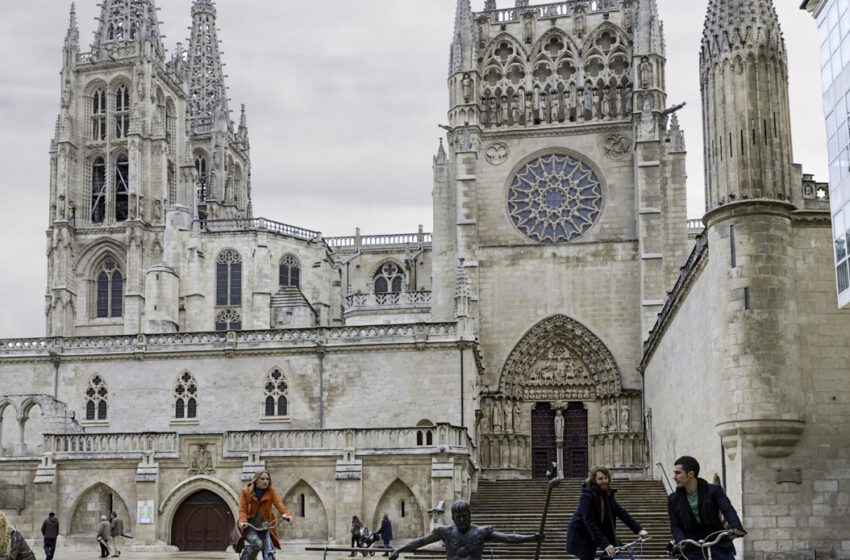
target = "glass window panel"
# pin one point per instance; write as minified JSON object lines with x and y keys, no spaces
{"x":834,"y":174}
{"x":844,"y":163}
{"x":236,"y":284}
{"x":843,"y":135}
{"x":117,"y":295}
{"x":832,"y":15}
{"x":192,"y":409}
{"x":843,"y":281}
{"x":101,"y":410}
{"x":845,"y":18}
{"x":221,"y":284}
{"x":824,"y":54}
{"x":831,"y":121}
{"x":281,"y":406}
{"x":845,"y":49}
{"x":179,"y":411}
{"x":836,"y":65}
{"x":90,"y":410}
{"x":832,"y":147}
{"x":103,"y":295}
{"x":269,"y":406}
{"x":826,"y":77}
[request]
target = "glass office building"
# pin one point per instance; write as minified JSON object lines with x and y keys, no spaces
{"x":833,"y":20}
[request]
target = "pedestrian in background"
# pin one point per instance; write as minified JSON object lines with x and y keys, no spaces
{"x":50,"y":532}
{"x":116,"y":531}
{"x":386,"y":532}
{"x":103,"y":530}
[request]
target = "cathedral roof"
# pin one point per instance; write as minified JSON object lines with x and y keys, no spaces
{"x":731,"y":25}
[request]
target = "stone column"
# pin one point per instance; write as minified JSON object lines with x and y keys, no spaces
{"x":559,"y":440}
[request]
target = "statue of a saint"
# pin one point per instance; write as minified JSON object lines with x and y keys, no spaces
{"x":497,"y":417}
{"x":463,"y":540}
{"x":606,"y":102}
{"x":624,"y":417}
{"x":509,"y":417}
{"x":504,"y":110}
{"x":645,"y":73}
{"x":555,"y":104}
{"x":559,"y":425}
{"x":466,"y":87}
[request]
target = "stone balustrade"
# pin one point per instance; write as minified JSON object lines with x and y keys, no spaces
{"x":376,"y":241}
{"x":555,"y":9}
{"x":116,"y":445}
{"x":229,"y":341}
{"x":399,"y":300}
{"x":259,"y":224}
{"x":379,"y":441}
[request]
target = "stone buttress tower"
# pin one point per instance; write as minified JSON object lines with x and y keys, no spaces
{"x":558,"y":197}
{"x":114,"y":165}
{"x":749,"y":184}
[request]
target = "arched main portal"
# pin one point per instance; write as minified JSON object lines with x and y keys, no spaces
{"x":202,"y":522}
{"x":556,"y":377}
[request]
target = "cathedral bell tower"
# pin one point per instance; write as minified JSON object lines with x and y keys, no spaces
{"x":114,"y":163}
{"x":750,"y":183}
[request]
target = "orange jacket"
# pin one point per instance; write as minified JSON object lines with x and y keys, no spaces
{"x":248,"y":506}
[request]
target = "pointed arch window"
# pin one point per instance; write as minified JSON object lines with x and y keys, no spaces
{"x":98,"y":116}
{"x":228,"y":320}
{"x":122,"y":188}
{"x":172,"y":183}
{"x":276,"y":395}
{"x":388,"y":279}
{"x":110,"y":290}
{"x":228,"y":278}
{"x":201,"y":168}
{"x":98,"y":191}
{"x":97,"y":398}
{"x":290,"y":271}
{"x":185,"y":397}
{"x":122,"y":112}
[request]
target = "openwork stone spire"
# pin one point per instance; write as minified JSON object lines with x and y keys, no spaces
{"x":461,"y":51}
{"x":744,"y":78}
{"x":124,"y":23}
{"x":72,"y":37}
{"x":207,"y":93}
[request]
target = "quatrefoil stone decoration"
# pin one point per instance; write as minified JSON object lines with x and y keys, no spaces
{"x":555,"y":198}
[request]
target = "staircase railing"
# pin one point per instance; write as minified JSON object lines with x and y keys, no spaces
{"x":667,"y":486}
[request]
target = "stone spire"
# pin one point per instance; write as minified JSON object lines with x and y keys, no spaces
{"x":744,"y":79}
{"x":72,"y":41}
{"x":461,"y":51}
{"x":207,"y":93}
{"x":242,"y":134}
{"x":441,"y":158}
{"x":124,"y":23}
{"x":649,"y":34}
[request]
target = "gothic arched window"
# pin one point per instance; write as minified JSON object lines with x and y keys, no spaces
{"x":110,"y":290}
{"x":98,"y":116}
{"x":389,"y":279}
{"x":172,"y":183}
{"x":186,"y":396}
{"x":201,"y":168}
{"x":97,"y":398}
{"x":122,"y":188}
{"x":290,"y":271}
{"x":122,"y":112}
{"x":228,"y":320}
{"x":276,"y":392}
{"x":228,"y":278}
{"x":98,"y":191}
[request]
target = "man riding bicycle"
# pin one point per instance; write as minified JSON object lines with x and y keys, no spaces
{"x":694,"y":510}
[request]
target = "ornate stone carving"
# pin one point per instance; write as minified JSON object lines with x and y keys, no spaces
{"x":560,"y":359}
{"x":201,"y":461}
{"x":555,"y":199}
{"x":497,"y":153}
{"x":617,"y":146}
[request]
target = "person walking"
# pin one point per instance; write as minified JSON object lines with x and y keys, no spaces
{"x":593,"y":524}
{"x":694,"y":510}
{"x":12,"y":543}
{"x":386,"y":532}
{"x":255,"y":508}
{"x":103,"y":530}
{"x":50,"y":532}
{"x":356,"y":526}
{"x":116,"y":531}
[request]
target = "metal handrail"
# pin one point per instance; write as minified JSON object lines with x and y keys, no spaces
{"x":667,"y":485}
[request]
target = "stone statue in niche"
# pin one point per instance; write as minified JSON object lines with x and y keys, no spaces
{"x":515,"y":110}
{"x":484,"y":427}
{"x":624,"y":417}
{"x":157,"y":211}
{"x":509,"y":418}
{"x":61,"y":207}
{"x":628,"y":99}
{"x":67,"y":95}
{"x":517,"y":410}
{"x":606,"y":102}
{"x":201,"y":461}
{"x":498,"y":420}
{"x":579,"y":24}
{"x":595,"y":103}
{"x":504,"y":110}
{"x":140,"y":85}
{"x":646,"y":80}
{"x":621,"y":102}
{"x":466,"y":87}
{"x":556,"y":106}
{"x":559,"y":425}
{"x":528,"y":26}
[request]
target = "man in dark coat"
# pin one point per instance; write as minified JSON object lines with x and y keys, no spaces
{"x":386,"y":532}
{"x":50,"y":532}
{"x":694,"y":510}
{"x":593,"y":523}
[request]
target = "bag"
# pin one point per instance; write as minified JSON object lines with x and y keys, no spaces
{"x":237,"y":540}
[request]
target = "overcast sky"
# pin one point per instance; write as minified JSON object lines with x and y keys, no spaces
{"x":343,"y":98}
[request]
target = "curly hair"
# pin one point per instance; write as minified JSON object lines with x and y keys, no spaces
{"x":591,"y":480}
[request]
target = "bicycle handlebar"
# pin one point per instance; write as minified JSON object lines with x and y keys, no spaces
{"x":640,"y":540}
{"x":705,"y":543}
{"x":266,"y":525}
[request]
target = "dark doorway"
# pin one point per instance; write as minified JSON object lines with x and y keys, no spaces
{"x":543,"y":450}
{"x":575,"y":441}
{"x":202,"y":523}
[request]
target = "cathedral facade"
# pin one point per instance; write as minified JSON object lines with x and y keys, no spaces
{"x":190,"y":343}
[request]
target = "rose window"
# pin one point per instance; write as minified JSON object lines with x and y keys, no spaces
{"x":554,"y":199}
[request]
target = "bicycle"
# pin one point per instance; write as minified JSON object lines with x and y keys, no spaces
{"x":627,"y":551}
{"x":706,"y":543}
{"x":265,"y":526}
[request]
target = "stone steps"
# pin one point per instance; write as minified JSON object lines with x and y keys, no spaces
{"x":516,"y":506}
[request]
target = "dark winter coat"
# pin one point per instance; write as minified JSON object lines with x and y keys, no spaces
{"x":18,"y":548}
{"x":50,"y":528}
{"x":386,"y":529}
{"x":588,"y":531}
{"x":116,"y":528}
{"x":712,"y":502}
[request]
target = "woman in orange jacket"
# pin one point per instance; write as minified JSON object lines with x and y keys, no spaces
{"x":255,"y":508}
